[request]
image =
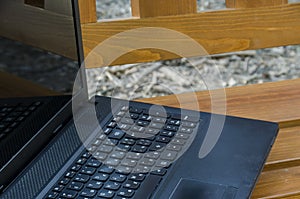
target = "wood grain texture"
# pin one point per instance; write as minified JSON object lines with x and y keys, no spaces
{"x":59,"y":6}
{"x":155,"y":8}
{"x":12,"y":86}
{"x":277,"y":102}
{"x":285,"y":152}
{"x":38,"y":27}
{"x":280,"y":183}
{"x":254,"y":3}
{"x":217,"y":32}
{"x":87,"y":10}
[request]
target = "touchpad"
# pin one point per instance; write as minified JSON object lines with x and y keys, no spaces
{"x":188,"y":188}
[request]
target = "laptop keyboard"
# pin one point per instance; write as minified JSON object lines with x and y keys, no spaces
{"x":126,"y":165}
{"x":12,"y":115}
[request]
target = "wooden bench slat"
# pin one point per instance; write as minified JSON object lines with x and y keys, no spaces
{"x":278,"y":183}
{"x":217,"y":31}
{"x":286,"y":151}
{"x":277,"y":101}
{"x":253,"y":3}
{"x":154,"y":8}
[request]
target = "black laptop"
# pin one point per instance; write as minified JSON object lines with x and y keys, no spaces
{"x":111,"y":148}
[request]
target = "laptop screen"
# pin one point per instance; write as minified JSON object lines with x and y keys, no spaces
{"x":38,"y":51}
{"x":28,"y":71}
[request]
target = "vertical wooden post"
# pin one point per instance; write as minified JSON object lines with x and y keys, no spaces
{"x":254,"y":3}
{"x":154,"y":8}
{"x":88,"y":13}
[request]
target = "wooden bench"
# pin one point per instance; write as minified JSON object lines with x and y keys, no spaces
{"x":244,"y":25}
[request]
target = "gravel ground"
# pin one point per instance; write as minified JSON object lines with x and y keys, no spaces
{"x":157,"y":78}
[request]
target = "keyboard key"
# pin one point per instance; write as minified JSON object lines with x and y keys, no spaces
{"x":142,"y":169}
{"x":134,"y":156}
{"x":137,"y":177}
{"x":142,"y":123}
{"x":129,"y":184}
{"x":139,"y":129}
{"x":100,"y":177}
{"x":97,"y":143}
{"x":124,"y":170}
{"x":163,"y":139}
{"x":105,"y":149}
{"x":171,"y":128}
{"x":156,"y":125}
{"x":93,"y":163}
{"x":182,"y":136}
{"x":64,"y":181}
{"x":81,"y":161}
{"x":185,"y":130}
{"x":118,"y":155}
{"x":81,"y":178}
{"x":118,"y":177}
{"x":168,"y":155}
{"x":88,"y":170}
{"x":126,"y":192}
{"x":147,"y":118}
{"x":88,"y":193}
{"x":116,"y":134}
{"x":112,"y":162}
{"x":157,"y":146}
{"x":151,"y":131}
{"x":159,"y":120}
{"x":112,"y":125}
{"x":144,"y":142}
{"x":174,"y":122}
{"x":153,"y":155}
{"x":100,"y":156}
{"x":173,"y":147}
{"x":86,"y":155}
{"x":133,"y":116}
{"x":163,"y":163}
{"x":106,"y":193}
{"x":93,"y":184}
{"x":52,"y":195}
{"x":58,"y":188}
{"x":147,"y":162}
{"x":178,"y":141}
{"x":139,"y":149}
{"x":129,"y":163}
{"x":127,"y":121}
{"x":70,"y":174}
{"x":121,"y":113}
{"x":76,"y":186}
{"x":189,"y":124}
{"x":167,"y":133}
{"x":107,"y":131}
{"x":68,"y":194}
{"x":112,"y":185}
{"x":124,"y":127}
{"x":159,"y":171}
{"x":190,"y":118}
{"x":128,"y":141}
{"x":135,"y":110}
{"x":106,"y":169}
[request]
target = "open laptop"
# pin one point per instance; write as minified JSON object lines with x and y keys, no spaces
{"x":110,"y":148}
